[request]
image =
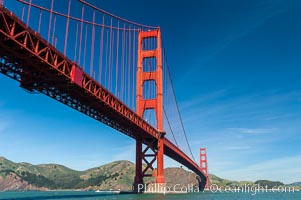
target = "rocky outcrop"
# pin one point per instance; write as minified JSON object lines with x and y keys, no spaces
{"x":13,"y":182}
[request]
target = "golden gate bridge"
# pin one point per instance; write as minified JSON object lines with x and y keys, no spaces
{"x":107,"y":67}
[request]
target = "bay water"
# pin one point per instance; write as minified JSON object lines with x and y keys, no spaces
{"x":91,"y":195}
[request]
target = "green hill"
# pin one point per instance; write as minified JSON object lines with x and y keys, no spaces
{"x":224,"y":182}
{"x":296,"y":184}
{"x":116,"y":175}
{"x":20,"y":176}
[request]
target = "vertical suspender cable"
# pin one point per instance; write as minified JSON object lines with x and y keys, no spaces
{"x":107,"y":44}
{"x":76,"y":38}
{"x":50,"y":21}
{"x":81,"y":35}
{"x":28,"y":13}
{"x":23,"y":10}
{"x":92,"y":45}
{"x":122,"y":65}
{"x":53,"y":32}
{"x":134,"y":69}
{"x":85,"y":47}
{"x":129,"y":68}
{"x":110,"y":56}
{"x":112,"y":63}
{"x":117,"y":58}
{"x":67,"y":29}
{"x":40,"y":21}
{"x":101,"y":49}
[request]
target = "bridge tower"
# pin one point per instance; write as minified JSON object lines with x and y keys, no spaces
{"x":157,"y":145}
{"x":204,"y":165}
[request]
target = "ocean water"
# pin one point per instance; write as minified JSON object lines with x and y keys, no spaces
{"x":191,"y":196}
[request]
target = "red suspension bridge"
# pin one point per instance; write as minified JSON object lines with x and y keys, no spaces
{"x":107,"y":67}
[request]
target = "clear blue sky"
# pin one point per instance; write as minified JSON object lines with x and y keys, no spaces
{"x":236,"y":68}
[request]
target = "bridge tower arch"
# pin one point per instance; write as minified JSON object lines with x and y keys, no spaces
{"x":155,"y":145}
{"x":204,"y":165}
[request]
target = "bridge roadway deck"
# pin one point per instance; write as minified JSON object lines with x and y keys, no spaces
{"x":39,"y":67}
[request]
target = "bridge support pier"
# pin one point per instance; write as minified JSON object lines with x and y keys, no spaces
{"x":202,"y":183}
{"x":153,"y":151}
{"x":160,"y":162}
{"x":138,"y":175}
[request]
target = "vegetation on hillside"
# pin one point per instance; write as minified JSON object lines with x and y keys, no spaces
{"x":269,"y":184}
{"x":115,"y":175}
